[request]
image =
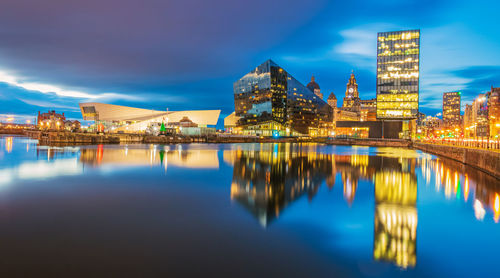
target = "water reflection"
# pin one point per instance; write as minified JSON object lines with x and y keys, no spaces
{"x":8,"y":144}
{"x":396,"y":217}
{"x":152,"y":155}
{"x":266,"y":180}
{"x":453,"y":179}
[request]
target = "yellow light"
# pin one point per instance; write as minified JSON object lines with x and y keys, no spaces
{"x":497,"y":207}
{"x":10,"y":119}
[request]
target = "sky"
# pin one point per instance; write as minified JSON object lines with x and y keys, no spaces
{"x":186,"y":54}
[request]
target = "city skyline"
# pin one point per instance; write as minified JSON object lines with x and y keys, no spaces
{"x":58,"y":63}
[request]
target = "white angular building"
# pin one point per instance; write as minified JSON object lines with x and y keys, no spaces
{"x":117,"y":118}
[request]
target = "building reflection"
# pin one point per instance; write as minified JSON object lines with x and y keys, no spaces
{"x":458,"y":181}
{"x":395,"y":228}
{"x":154,"y":155}
{"x":8,"y":144}
{"x":266,"y":181}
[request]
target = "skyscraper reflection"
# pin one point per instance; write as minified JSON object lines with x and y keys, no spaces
{"x":266,"y":181}
{"x":395,"y":218}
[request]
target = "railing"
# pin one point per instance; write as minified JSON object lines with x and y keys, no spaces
{"x":484,"y":143}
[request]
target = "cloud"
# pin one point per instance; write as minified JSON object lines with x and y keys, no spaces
{"x":47,"y":88}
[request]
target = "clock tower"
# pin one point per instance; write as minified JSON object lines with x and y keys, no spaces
{"x":351,"y":99}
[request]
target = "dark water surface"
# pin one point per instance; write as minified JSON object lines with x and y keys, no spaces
{"x":243,"y":210}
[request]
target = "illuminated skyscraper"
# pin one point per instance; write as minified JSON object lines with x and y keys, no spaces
{"x":451,"y":108}
{"x":398,"y":74}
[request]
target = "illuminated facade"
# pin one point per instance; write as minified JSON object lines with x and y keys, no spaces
{"x":332,"y":100}
{"x":451,"y":108}
{"x":468,"y":121}
{"x":368,"y":109}
{"x":271,"y":102}
{"x":51,"y":120}
{"x":117,"y":118}
{"x":480,"y":116}
{"x":494,"y":112}
{"x":398,"y":74}
{"x":351,"y":99}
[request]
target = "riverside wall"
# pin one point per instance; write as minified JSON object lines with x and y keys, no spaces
{"x":370,"y":142}
{"x":485,"y":160}
{"x":11,"y":131}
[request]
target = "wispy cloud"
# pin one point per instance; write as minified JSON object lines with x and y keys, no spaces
{"x":13,"y":80}
{"x":48,"y":104}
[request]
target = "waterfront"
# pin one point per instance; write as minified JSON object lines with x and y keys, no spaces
{"x":248,"y":210}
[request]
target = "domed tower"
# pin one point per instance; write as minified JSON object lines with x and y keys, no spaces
{"x":314,"y":87}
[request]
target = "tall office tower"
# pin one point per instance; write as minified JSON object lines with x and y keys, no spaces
{"x":398,"y":75}
{"x":451,"y":108}
{"x":351,"y":99}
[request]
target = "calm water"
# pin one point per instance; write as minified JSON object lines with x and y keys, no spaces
{"x":243,"y":210}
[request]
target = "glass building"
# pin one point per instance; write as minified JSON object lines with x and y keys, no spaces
{"x":271,"y":102}
{"x":398,"y":74}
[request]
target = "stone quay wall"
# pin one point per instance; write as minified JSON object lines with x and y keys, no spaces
{"x":485,"y":160}
{"x":370,"y":142}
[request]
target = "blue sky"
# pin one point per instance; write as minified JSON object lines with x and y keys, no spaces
{"x":186,"y":54}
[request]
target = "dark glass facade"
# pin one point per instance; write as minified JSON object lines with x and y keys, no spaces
{"x":398,"y":57}
{"x":268,"y":94}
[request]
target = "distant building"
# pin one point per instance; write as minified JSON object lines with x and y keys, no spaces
{"x":271,"y":102}
{"x":50,"y":120}
{"x":494,"y":112}
{"x":480,"y":116}
{"x":368,"y":109}
{"x":398,"y":74}
{"x":451,"y":108}
{"x":351,"y":99}
{"x":72,"y":125}
{"x":420,"y":118}
{"x":468,"y":121}
{"x":332,"y":100}
{"x":346,"y":115}
{"x":430,"y":125}
{"x":314,"y":87}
